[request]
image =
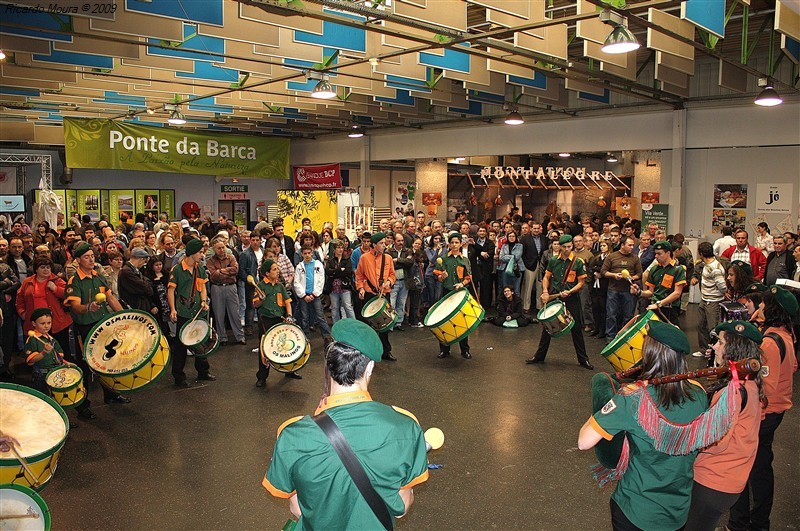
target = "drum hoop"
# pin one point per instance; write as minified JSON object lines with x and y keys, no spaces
{"x":215,"y":343}
{"x":281,"y":325}
{"x":623,"y":338}
{"x":65,"y":389}
{"x":366,"y":305}
{"x":432,"y":309}
{"x":32,"y":494}
{"x":539,"y":315}
{"x":163,"y":344}
{"x":55,"y":448}
{"x":187,"y":323}
{"x":145,"y":360}
{"x":306,"y":354}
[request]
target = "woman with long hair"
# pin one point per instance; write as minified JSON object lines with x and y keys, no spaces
{"x":739,"y":277}
{"x":150,"y":242}
{"x":339,"y":282}
{"x":434,"y":250}
{"x":43,"y":235}
{"x":154,"y":270}
{"x":779,"y":363}
{"x":721,"y":470}
{"x":654,"y":490}
{"x":764,"y":239}
{"x":43,"y":289}
{"x":599,"y":291}
{"x":510,"y":262}
{"x":416,"y":284}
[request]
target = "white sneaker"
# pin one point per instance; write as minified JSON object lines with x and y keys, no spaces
{"x":699,"y":354}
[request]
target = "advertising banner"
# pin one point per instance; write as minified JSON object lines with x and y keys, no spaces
{"x":404,"y":199}
{"x":326,"y":177}
{"x":89,"y":204}
{"x":109,"y":144}
{"x":294,"y":205}
{"x":147,"y":201}
{"x":120,"y":206}
{"x":655,"y":213}
{"x":167,"y":202}
{"x":774,"y":198}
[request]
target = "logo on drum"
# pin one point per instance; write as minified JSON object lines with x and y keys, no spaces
{"x":283,"y":346}
{"x":117,"y":339}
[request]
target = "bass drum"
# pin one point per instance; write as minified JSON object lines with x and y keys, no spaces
{"x":454,"y":317}
{"x":21,"y":509}
{"x":127,"y":351}
{"x":625,"y":351}
{"x":285,"y":348}
{"x":40,"y":427}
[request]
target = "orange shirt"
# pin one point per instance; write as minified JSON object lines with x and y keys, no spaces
{"x":725,"y":465}
{"x":369,"y":270}
{"x":777,"y":376}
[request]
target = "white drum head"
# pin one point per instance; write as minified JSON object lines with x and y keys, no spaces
{"x":446,"y":306}
{"x":551,"y":310}
{"x":373,"y":307}
{"x":36,"y":424}
{"x":283,"y":343}
{"x":194,"y":332}
{"x":17,"y":503}
{"x":63,"y":377}
{"x":124,"y":342}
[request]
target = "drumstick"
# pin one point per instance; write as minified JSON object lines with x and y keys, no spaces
{"x":252,"y":281}
{"x":13,"y":445}
{"x":29,"y":514}
{"x":434,"y":439}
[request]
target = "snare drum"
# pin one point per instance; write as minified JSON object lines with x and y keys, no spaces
{"x":66,"y":386}
{"x":200,"y":337}
{"x":18,"y":501}
{"x":454,"y":317}
{"x":733,"y":311}
{"x":555,"y":318}
{"x":127,"y":351}
{"x":40,"y":426}
{"x":285,"y":347}
{"x":625,"y":350}
{"x":379,"y":314}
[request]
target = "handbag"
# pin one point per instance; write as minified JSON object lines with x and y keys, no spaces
{"x":511,"y":265}
{"x":511,"y":324}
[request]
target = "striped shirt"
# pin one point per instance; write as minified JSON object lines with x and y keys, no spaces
{"x":743,"y":255}
{"x":712,"y":282}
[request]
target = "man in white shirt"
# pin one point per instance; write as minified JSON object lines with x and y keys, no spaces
{"x":710,"y":274}
{"x":722,"y":244}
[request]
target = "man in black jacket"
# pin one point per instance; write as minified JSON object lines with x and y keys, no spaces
{"x":482,"y":265}
{"x":287,"y":243}
{"x":134,"y":289}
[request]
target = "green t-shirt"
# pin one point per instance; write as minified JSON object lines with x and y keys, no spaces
{"x":81,"y":289}
{"x":558,"y":266}
{"x":389,"y":444}
{"x":188,"y":287}
{"x":457,"y":268}
{"x":51,"y":359}
{"x":275,"y":298}
{"x":663,"y":279}
{"x":655,"y":492}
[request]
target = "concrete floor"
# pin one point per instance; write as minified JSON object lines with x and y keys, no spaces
{"x":195,"y":458}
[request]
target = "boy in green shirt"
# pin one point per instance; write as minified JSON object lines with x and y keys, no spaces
{"x":274,"y":306}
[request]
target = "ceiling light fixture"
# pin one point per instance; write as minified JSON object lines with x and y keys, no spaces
{"x":323,"y":90}
{"x":2,"y":55}
{"x":612,"y":158}
{"x":176,"y":118}
{"x":769,"y":97}
{"x":356,"y":132}
{"x":620,"y":40}
{"x":514,"y":118}
{"x":564,"y":155}
{"x":460,"y":159}
{"x":151,"y":110}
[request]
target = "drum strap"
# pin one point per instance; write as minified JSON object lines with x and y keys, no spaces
{"x":379,"y":289}
{"x":354,"y":468}
{"x":567,"y":270}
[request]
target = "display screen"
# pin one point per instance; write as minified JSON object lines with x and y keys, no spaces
{"x":12,"y":203}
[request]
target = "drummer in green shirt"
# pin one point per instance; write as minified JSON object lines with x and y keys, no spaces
{"x":387,"y":442}
{"x":664,"y":281}
{"x":454,"y":272}
{"x":563,"y":280}
{"x":274,"y":306}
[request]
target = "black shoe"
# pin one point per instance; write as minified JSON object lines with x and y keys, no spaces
{"x":242,"y":341}
{"x":87,"y":414}
{"x":207,"y":377}
{"x":183,"y":384}
{"x":532,"y":361}
{"x":261,"y":383}
{"x":534,"y":320}
{"x":293,"y":375}
{"x":7,"y":375}
{"x":587,"y":365}
{"x":388,"y":357}
{"x":398,"y":328}
{"x":119,"y":399}
{"x":443,"y":355}
{"x":466,"y":355}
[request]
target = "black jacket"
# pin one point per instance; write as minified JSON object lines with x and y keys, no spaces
{"x":134,"y":288}
{"x":505,"y":307}
{"x":482,"y":267}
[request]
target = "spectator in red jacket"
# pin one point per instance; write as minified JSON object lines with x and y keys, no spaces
{"x":747,"y":253}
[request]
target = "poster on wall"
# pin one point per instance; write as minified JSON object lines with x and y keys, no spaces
{"x":104,"y":202}
{"x":89,"y":204}
{"x":730,"y":196}
{"x":625,"y":206}
{"x":120,"y":206}
{"x":72,"y":203}
{"x":655,"y":213}
{"x":727,"y":217}
{"x":8,"y":180}
{"x":774,"y":198}
{"x":355,"y":216}
{"x":404,"y":199}
{"x":649,"y":198}
{"x":167,"y":202}
{"x":326,"y":177}
{"x":147,"y":201}
{"x":432,"y":200}
{"x":294,"y":205}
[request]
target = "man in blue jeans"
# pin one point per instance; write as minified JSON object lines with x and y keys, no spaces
{"x":309,"y":280}
{"x":620,"y":268}
{"x":403,"y":258}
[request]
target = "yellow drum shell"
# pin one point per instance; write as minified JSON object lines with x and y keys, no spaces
{"x":454,"y":317}
{"x":142,"y":378}
{"x":625,"y":350}
{"x":66,"y":386}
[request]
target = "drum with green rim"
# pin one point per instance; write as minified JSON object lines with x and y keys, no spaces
{"x":200,"y":337}
{"x":454,"y":317}
{"x":39,"y":426}
{"x":379,"y":314}
{"x":66,"y":385}
{"x":23,"y":509}
{"x":625,"y":351}
{"x":127,"y":351}
{"x":555,"y":318}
